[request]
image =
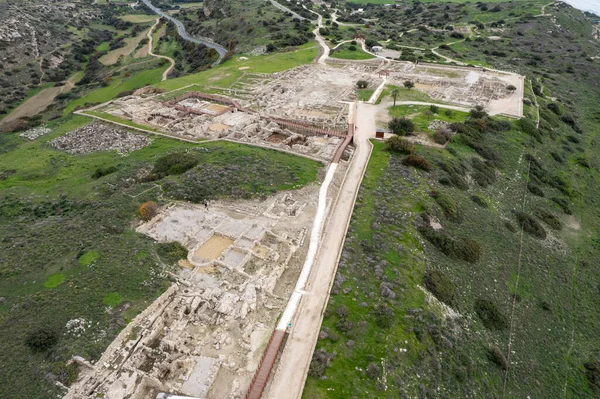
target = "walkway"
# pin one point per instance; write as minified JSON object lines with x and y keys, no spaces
{"x":150,"y":45}
{"x":288,"y":379}
{"x":285,"y":9}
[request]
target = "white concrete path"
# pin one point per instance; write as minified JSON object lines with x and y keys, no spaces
{"x":290,"y":375}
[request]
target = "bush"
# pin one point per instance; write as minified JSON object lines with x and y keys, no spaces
{"x":448,"y":205}
{"x":535,"y":189}
{"x":548,"y":218}
{"x":373,"y":370}
{"x":530,"y":225}
{"x":101,"y":172}
{"x":398,"y":144}
{"x":442,"y":136}
{"x":459,"y":248}
{"x":362,"y":84}
{"x":554,"y":107}
{"x":490,"y":315}
{"x":417,"y":161}
{"x":41,"y":339}
{"x":342,"y":311}
{"x":563,"y":203}
{"x":408,"y":84}
{"x":171,"y":252}
{"x":173,"y":164}
{"x":496,"y":356}
{"x":434,"y":108}
{"x":592,"y":372}
{"x":148,"y":210}
{"x":344,"y":325}
{"x":401,"y":126}
{"x":479,"y":201}
{"x":440,"y":286}
{"x":384,"y":316}
{"x":320,"y":361}
{"x":483,"y":173}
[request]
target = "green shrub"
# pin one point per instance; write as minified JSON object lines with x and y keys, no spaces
{"x":530,"y":225}
{"x":563,"y":203}
{"x":535,"y":189}
{"x":554,"y":107}
{"x":483,"y":173}
{"x":384,"y":316}
{"x":455,"y":173}
{"x":496,"y":356}
{"x":42,"y":339}
{"x":592,"y":372}
{"x":460,"y":248}
{"x":478,"y":200}
{"x":173,"y":164}
{"x":171,"y":252}
{"x":490,"y":315}
{"x":440,"y":286}
{"x":401,"y":126}
{"x":448,"y":205}
{"x":417,"y":161}
{"x":400,"y":145}
{"x":101,"y":172}
{"x":548,"y":218}
{"x":319,"y":363}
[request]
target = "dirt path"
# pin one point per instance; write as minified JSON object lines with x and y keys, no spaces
{"x":37,"y":103}
{"x":150,"y":45}
{"x":288,"y":379}
{"x":321,"y":41}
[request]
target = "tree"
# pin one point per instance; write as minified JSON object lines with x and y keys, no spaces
{"x":401,"y":126}
{"x":408,"y":84}
{"x":362,"y":84}
{"x":41,"y":339}
{"x":434,"y":108}
{"x":400,"y":145}
{"x":511,"y":88}
{"x":148,"y":210}
{"x":428,"y":114}
{"x":395,"y":93}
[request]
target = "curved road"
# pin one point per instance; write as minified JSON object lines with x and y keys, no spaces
{"x":181,"y":30}
{"x":150,"y":45}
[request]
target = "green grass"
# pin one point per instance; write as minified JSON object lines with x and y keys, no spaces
{"x":418,"y":114}
{"x":227,"y":73}
{"x":118,"y":85}
{"x":54,"y":280}
{"x":112,"y":299}
{"x":365,"y":94}
{"x":404,"y":95}
{"x":89,"y":258}
{"x":68,"y":249}
{"x":343,"y":52}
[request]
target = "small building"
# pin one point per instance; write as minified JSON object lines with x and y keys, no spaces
{"x":379,"y":133}
{"x":376,"y":49}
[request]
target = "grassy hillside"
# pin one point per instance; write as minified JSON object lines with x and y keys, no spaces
{"x":477,"y":277}
{"x":71,"y":265}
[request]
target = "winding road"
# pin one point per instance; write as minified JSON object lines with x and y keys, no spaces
{"x":150,"y":45}
{"x":181,"y":30}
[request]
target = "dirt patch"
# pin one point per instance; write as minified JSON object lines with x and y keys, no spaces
{"x":219,"y":127}
{"x":112,"y":56}
{"x":276,"y":138}
{"x":213,"y":248}
{"x":37,"y":103}
{"x":217,"y":108}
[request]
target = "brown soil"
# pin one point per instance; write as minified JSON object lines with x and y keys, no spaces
{"x":276,"y":138}
{"x":213,"y":248}
{"x":39,"y":102}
